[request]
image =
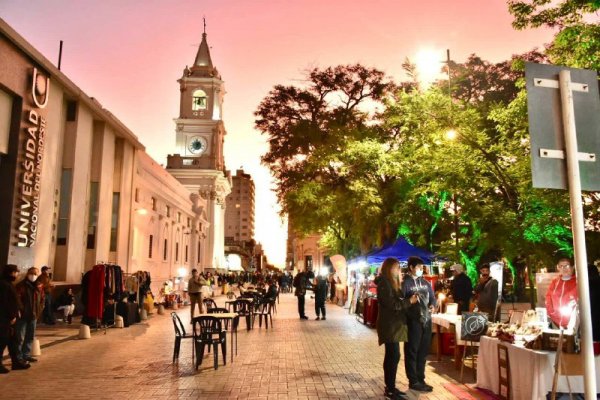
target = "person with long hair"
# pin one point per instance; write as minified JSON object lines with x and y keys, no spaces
{"x":391,"y":322}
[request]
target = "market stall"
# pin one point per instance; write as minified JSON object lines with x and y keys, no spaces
{"x":530,"y":371}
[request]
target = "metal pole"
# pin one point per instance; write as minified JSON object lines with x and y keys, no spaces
{"x":60,"y":54}
{"x":568,"y":114}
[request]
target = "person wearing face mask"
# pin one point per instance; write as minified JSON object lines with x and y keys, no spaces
{"x":31,"y":304}
{"x":486,"y":292}
{"x":418,"y":323}
{"x":561,"y":297}
{"x":391,"y":322}
{"x":9,"y":312}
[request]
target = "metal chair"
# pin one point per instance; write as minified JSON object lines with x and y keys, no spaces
{"x":208,"y":331}
{"x":179,"y":335}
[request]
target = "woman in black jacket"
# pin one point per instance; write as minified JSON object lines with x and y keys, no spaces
{"x":391,"y":322}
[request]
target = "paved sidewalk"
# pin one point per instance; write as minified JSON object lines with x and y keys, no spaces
{"x":334,"y":359}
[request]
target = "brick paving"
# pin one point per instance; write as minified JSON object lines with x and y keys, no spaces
{"x":334,"y":359}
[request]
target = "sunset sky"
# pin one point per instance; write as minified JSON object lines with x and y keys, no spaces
{"x":128,"y":54}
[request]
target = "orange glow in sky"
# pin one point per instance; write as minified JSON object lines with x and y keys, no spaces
{"x":129,"y":55}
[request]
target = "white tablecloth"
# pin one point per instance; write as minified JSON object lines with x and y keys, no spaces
{"x":445,"y":320}
{"x":531,"y":371}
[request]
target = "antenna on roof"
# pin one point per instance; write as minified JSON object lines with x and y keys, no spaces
{"x":204,"y":19}
{"x":60,"y":54}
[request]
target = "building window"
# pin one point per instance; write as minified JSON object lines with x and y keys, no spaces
{"x":6,"y":113}
{"x":153,"y":204}
{"x":92,"y":216}
{"x":114,"y":221}
{"x":198,"y":252}
{"x":65,"y":207}
{"x":71,"y":111}
{"x":186,"y":253}
{"x":168,"y":211}
{"x":150,"y":242}
{"x":199,"y":100}
{"x":176,"y":251}
{"x":188,"y":222}
{"x":165,"y":250}
{"x":137,"y":195}
{"x":178,"y":217}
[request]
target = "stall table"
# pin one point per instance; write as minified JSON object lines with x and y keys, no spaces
{"x":449,"y":322}
{"x":531,"y":371}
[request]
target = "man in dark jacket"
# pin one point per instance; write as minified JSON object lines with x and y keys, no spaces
{"x":31,"y":304}
{"x":300,"y":283}
{"x":46,"y":282}
{"x":9,"y":312}
{"x":487,"y":293}
{"x":320,"y":287}
{"x":461,"y":288}
{"x":418,"y":322}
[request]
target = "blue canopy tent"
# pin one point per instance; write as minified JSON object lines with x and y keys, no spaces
{"x":400,"y":250}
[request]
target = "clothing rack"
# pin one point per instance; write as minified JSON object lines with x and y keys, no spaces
{"x":99,"y":287}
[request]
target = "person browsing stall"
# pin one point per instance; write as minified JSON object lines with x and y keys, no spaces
{"x":486,"y":292}
{"x":391,"y":322}
{"x":561,"y":297}
{"x":418,"y":322}
{"x":461,"y":288}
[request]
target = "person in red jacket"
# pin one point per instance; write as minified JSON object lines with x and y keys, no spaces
{"x":561,"y":297}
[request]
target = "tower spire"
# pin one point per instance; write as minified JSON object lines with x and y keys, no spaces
{"x":203,"y":56}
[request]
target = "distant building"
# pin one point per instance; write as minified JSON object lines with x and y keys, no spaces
{"x":77,"y":187}
{"x":239,"y":211}
{"x":304,"y":250}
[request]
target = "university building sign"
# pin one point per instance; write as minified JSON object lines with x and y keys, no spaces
{"x":29,"y":166}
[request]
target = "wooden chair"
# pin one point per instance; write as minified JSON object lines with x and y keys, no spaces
{"x":208,"y":331}
{"x":503,"y":372}
{"x":179,"y":335}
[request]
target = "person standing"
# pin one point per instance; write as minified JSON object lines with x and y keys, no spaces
{"x":561,"y":297}
{"x":486,"y":293}
{"x":418,"y":322}
{"x":195,"y":291}
{"x":31,"y":304}
{"x":300,"y":292}
{"x":391,"y":322}
{"x":320,"y":285}
{"x":9,"y":312}
{"x":461,"y":288}
{"x":47,"y":286}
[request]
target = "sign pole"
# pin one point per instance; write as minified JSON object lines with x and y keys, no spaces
{"x":577,"y":221}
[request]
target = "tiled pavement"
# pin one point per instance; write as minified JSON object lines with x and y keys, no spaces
{"x":334,"y":359}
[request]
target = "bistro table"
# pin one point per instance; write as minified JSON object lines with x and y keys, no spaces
{"x":229,"y":303}
{"x":530,"y":374}
{"x":228,"y":316}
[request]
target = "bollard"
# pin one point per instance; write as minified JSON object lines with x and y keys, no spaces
{"x":175,"y":305}
{"x":161,"y":309}
{"x":36,"y":350}
{"x":84,"y":332}
{"x":119,"y":322}
{"x":143,"y":314}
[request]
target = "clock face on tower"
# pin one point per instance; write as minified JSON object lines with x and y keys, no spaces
{"x":197,"y":145}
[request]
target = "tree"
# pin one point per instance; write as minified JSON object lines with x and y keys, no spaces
{"x":536,"y":13}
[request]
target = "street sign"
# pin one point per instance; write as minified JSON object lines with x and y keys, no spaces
{"x":548,"y":161}
{"x":578,"y":114}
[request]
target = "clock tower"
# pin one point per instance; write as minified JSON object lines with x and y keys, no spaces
{"x":199,"y":134}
